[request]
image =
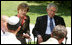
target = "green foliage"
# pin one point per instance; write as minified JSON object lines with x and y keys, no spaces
{"x":9,"y":8}
{"x":66,"y":4}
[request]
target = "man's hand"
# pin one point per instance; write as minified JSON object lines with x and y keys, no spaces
{"x":39,"y":39}
{"x":26,"y":35}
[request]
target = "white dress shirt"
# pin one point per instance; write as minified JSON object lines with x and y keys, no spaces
{"x":48,"y":30}
{"x":9,"y":38}
{"x":50,"y":41}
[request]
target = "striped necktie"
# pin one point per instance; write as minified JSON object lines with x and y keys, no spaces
{"x":51,"y":24}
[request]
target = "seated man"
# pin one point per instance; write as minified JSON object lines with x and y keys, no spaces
{"x":13,"y":26}
{"x":57,"y":36}
{"x":45,"y":24}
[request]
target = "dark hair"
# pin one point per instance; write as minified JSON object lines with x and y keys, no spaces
{"x":22,"y":6}
{"x":13,"y":27}
{"x":59,"y":32}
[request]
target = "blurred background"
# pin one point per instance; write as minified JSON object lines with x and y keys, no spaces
{"x":38,"y":8}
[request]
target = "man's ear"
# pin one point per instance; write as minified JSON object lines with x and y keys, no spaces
{"x":47,"y":10}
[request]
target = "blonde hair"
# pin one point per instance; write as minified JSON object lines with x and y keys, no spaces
{"x":59,"y":32}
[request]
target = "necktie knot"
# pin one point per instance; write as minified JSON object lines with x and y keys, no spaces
{"x":50,"y":18}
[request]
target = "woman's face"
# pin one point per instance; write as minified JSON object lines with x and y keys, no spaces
{"x":22,"y":12}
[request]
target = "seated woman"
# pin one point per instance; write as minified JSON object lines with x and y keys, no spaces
{"x":25,"y":20}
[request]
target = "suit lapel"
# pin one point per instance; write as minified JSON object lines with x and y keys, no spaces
{"x":45,"y":22}
{"x":56,"y":20}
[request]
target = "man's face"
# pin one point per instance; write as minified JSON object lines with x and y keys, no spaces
{"x":51,"y":11}
{"x":22,"y":12}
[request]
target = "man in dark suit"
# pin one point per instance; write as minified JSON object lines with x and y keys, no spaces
{"x":25,"y":20}
{"x":45,"y":24}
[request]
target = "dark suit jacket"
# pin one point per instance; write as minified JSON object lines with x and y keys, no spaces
{"x":25,"y":28}
{"x":41,"y":24}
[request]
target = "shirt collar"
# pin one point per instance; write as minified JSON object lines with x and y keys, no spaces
{"x":23,"y":17}
{"x":49,"y":17}
{"x":53,"y":40}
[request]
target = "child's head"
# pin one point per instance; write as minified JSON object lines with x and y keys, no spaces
{"x":23,"y":8}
